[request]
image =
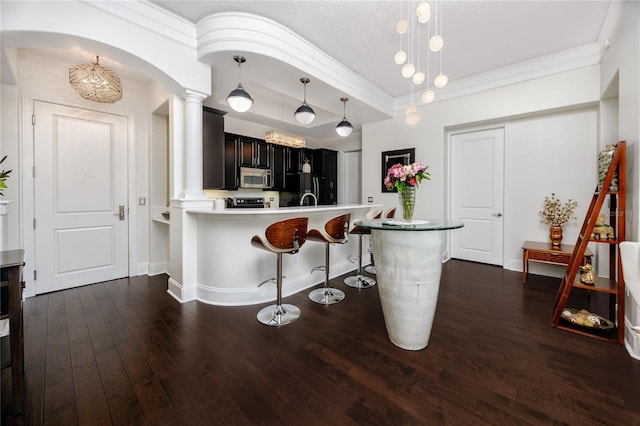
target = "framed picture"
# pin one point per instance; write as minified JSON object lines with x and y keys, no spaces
{"x":389,"y":158}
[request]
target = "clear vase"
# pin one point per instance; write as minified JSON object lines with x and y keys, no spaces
{"x":407,"y":201}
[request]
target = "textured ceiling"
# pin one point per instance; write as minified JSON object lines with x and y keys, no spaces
{"x":479,"y":35}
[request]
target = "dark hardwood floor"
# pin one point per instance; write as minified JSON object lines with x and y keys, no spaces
{"x":125,"y":352}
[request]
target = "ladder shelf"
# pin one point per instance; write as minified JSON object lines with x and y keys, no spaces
{"x":614,"y":285}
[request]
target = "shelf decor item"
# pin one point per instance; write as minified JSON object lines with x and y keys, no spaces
{"x":406,"y":178}
{"x":604,"y":161}
{"x":556,"y":214}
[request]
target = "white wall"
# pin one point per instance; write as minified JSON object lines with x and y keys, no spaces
{"x":9,"y":126}
{"x":515,"y":106}
{"x":553,"y":153}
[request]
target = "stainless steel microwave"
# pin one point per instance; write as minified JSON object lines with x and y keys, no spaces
{"x":255,"y":178}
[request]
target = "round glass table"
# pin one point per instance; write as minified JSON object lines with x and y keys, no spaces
{"x":408,"y":266}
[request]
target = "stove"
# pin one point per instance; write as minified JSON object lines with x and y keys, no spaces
{"x":245,"y":202}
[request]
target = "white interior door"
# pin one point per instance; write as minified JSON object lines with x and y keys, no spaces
{"x":477,"y":182}
{"x":80,"y":191}
{"x":352,"y":172}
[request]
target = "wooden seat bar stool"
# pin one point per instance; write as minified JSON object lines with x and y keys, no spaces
{"x":359,"y":280}
{"x":284,"y":237}
{"x":390,"y":214}
{"x":336,"y":231}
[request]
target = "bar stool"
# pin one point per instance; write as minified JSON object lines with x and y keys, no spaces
{"x":284,"y":237}
{"x":335,"y":232}
{"x":390,"y":214}
{"x":359,"y":280}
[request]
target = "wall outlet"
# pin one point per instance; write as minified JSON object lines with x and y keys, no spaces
{"x":142,"y":201}
{"x":370,"y":199}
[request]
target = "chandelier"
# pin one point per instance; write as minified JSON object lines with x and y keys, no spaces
{"x":96,"y":83}
{"x":280,"y":137}
{"x":410,"y":59}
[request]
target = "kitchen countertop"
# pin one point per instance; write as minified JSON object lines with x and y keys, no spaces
{"x":282,"y":210}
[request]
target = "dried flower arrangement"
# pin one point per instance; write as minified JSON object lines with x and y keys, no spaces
{"x":557,"y":214}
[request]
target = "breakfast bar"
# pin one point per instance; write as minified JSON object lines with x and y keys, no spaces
{"x":229,"y":269}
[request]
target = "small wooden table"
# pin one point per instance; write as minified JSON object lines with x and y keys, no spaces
{"x":12,"y":262}
{"x":545,"y":253}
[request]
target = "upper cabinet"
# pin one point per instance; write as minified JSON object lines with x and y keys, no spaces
{"x":253,"y":152}
{"x":219,"y":164}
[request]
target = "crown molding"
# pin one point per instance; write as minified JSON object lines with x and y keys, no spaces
{"x":565,"y":60}
{"x":236,"y":31}
{"x":151,"y":17}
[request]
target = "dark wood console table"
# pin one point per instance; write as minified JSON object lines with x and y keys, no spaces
{"x":545,"y":253}
{"x":11,"y":263}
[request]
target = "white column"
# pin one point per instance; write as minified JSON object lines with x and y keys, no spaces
{"x":183,"y":236}
{"x":193,"y":146}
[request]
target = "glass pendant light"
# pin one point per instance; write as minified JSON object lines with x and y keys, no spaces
{"x":408,"y":70}
{"x":402,"y":26}
{"x":423,"y":12}
{"x":304,"y":114}
{"x":400,"y":57}
{"x":238,"y":98}
{"x":436,"y":43}
{"x":440,"y":81}
{"x":418,"y":78}
{"x":344,"y":128}
{"x":428,"y":96}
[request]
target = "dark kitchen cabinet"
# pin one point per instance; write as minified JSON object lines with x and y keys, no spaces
{"x":253,"y":152}
{"x":278,"y":167}
{"x":325,"y":162}
{"x":219,"y":159}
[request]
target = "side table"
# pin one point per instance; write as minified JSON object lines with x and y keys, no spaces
{"x":11,"y":263}
{"x":535,"y":251}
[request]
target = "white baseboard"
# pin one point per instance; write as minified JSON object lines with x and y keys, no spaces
{"x":157,"y":268}
{"x":252,"y":296}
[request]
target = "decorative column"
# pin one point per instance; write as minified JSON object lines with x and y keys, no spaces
{"x":193,"y":146}
{"x":183,"y":235}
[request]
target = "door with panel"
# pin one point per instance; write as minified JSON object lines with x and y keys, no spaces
{"x":81,"y":213}
{"x":477,"y":195}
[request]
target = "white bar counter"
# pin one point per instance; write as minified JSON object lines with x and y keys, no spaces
{"x":229,"y":268}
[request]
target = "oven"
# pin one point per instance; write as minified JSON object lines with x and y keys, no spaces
{"x":245,"y":202}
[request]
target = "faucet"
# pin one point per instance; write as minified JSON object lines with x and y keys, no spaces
{"x":315,"y":199}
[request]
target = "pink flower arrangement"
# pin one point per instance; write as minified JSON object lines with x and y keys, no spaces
{"x":399,"y":176}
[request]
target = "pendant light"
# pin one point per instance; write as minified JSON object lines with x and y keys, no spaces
{"x":239,"y":99}
{"x":96,"y":83}
{"x":344,"y":128}
{"x":305,"y":114}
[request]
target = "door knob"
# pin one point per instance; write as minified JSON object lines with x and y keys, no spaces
{"x":498,"y":214}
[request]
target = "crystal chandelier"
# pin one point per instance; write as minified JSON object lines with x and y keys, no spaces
{"x":280,"y":137}
{"x":96,"y":83}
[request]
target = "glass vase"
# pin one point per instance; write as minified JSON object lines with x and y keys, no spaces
{"x":407,"y":201}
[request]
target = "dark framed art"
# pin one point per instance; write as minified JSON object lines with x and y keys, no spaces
{"x":389,"y":158}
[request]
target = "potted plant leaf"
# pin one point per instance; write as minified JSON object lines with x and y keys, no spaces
{"x":4,"y":175}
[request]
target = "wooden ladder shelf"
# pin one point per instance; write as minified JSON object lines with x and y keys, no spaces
{"x":615,"y":288}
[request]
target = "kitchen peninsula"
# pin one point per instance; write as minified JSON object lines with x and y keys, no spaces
{"x":229,"y":269}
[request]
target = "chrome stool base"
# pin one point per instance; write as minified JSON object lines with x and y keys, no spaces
{"x":326,"y":296}
{"x":359,"y":281}
{"x":370,"y":269}
{"x":276,"y":315}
